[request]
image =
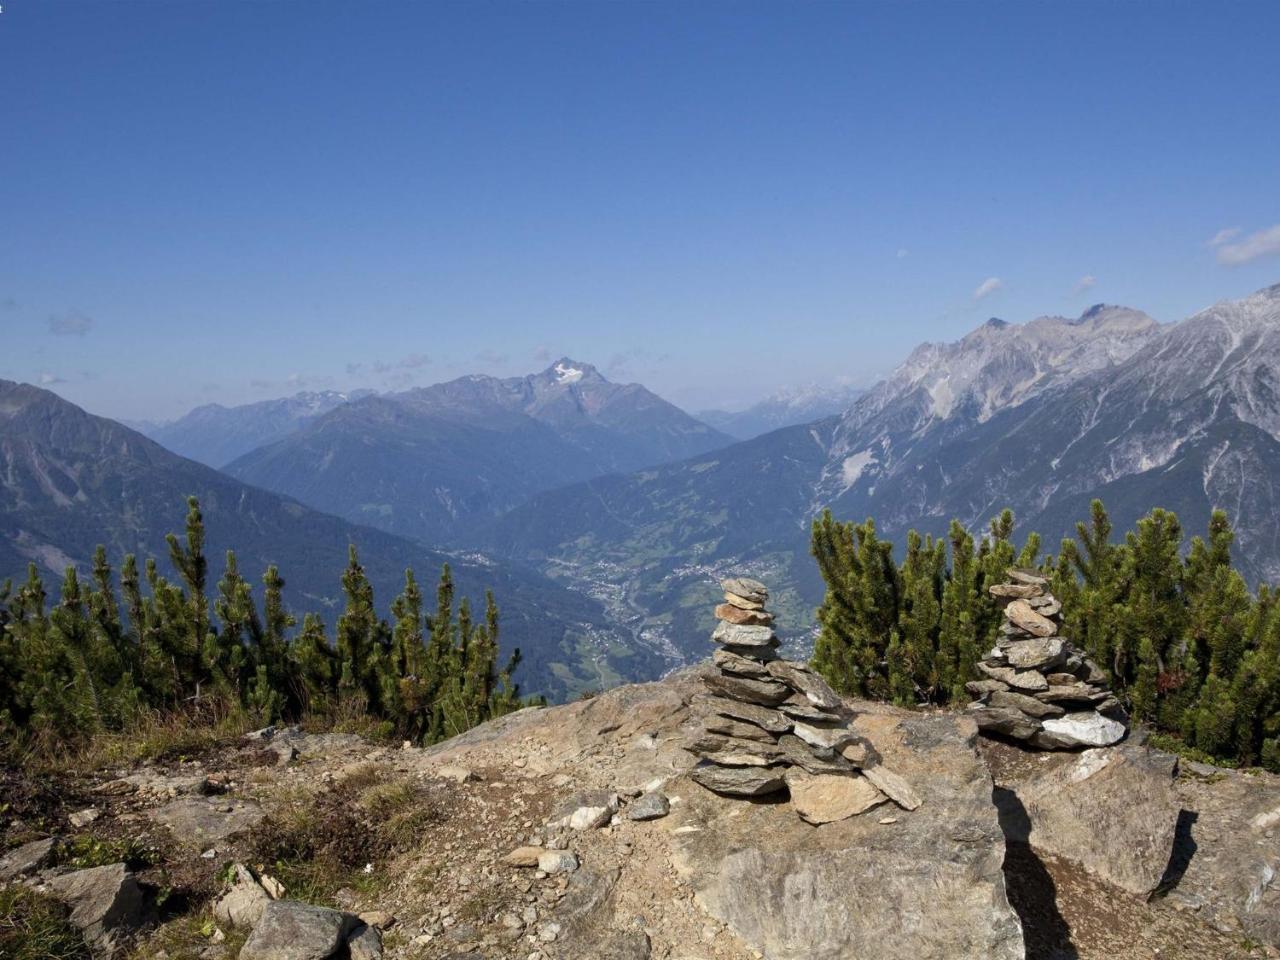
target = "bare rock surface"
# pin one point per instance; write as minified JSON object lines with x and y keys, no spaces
{"x":298,"y":931}
{"x":1111,"y":810}
{"x":1226,"y":861}
{"x":102,"y":900}
{"x":27,"y":858}
{"x":928,"y":885}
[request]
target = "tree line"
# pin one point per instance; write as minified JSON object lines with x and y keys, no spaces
{"x":105,"y":651}
{"x":1188,"y":647}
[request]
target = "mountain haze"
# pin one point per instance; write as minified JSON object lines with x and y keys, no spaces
{"x":433,"y":462}
{"x":215,"y":435}
{"x":785,"y":408}
{"x":70,"y":481}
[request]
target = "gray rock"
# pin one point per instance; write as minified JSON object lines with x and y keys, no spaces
{"x":1087,"y":729}
{"x":805,"y":757}
{"x":1043,"y":654}
{"x":732,"y":752}
{"x":805,"y":681}
{"x":736,"y":635}
{"x":1028,"y":680}
{"x":892,"y":786}
{"x":800,"y":708}
{"x":1031,"y":706}
{"x":767,"y":693}
{"x":102,"y":900}
{"x":734,"y":663}
{"x":290,"y":930}
{"x":1027,"y":575}
{"x":202,"y":821}
{"x":648,"y":806}
{"x":739,"y":781}
{"x":1072,"y":693}
{"x":762,"y":717}
{"x":717,"y":725}
{"x":827,"y":799}
{"x":1015,"y":591}
{"x":27,"y":858}
{"x":586,"y":811}
{"x":930,"y":887}
{"x":1005,"y":722}
{"x":365,"y":943}
{"x":826,"y":738}
{"x":1020,"y":613}
{"x":984,"y":688}
{"x":1111,"y":810}
{"x":557,"y":861}
{"x":1047,"y":605}
{"x":746,"y":588}
{"x":1226,"y":857}
{"x":243,"y":904}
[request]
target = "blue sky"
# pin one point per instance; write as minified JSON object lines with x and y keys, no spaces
{"x":228,"y":201}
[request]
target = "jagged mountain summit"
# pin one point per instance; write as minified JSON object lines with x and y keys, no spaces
{"x":785,"y":408}
{"x":215,"y":435}
{"x":944,"y":389}
{"x":434,"y":461}
{"x":71,"y":481}
{"x":1041,"y":417}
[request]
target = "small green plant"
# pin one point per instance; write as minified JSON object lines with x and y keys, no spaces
{"x":35,"y":927}
{"x":1175,"y":745}
{"x":87,"y":851}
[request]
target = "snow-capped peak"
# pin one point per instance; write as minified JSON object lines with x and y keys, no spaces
{"x":566,"y":373}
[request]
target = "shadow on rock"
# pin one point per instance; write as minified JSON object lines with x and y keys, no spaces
{"x":1184,"y":849}
{"x":1029,"y":885}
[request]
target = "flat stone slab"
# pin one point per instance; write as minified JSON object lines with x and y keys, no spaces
{"x":828,"y":798}
{"x":200,"y":821}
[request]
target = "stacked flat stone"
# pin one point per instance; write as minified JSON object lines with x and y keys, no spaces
{"x":767,"y":724}
{"x":1037,"y":687}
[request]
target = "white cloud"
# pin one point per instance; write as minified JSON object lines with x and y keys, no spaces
{"x":47,"y":379}
{"x":1087,"y":282}
{"x":902,"y":253}
{"x":1261,"y":244}
{"x":1223,"y":235}
{"x":987,"y":287}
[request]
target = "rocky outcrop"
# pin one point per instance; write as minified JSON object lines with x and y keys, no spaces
{"x":1226,"y":857}
{"x":27,"y":858}
{"x":104,"y":901}
{"x":299,"y":931}
{"x":882,"y":885}
{"x":1111,"y":810}
{"x":1037,"y":687}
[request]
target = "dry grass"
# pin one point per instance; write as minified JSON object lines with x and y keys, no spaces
{"x":35,"y":927}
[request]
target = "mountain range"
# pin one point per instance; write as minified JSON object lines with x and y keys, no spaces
{"x":614,"y":513}
{"x":786,"y":408}
{"x":434,"y":462}
{"x":70,"y":481}
{"x":1040,"y":417}
{"x":215,"y":435}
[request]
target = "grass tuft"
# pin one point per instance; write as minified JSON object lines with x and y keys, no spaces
{"x":35,"y":927}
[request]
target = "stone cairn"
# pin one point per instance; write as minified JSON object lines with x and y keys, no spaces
{"x":1039,"y":688}
{"x":768,"y":724}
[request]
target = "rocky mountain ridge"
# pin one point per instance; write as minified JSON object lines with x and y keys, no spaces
{"x":1041,"y":418}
